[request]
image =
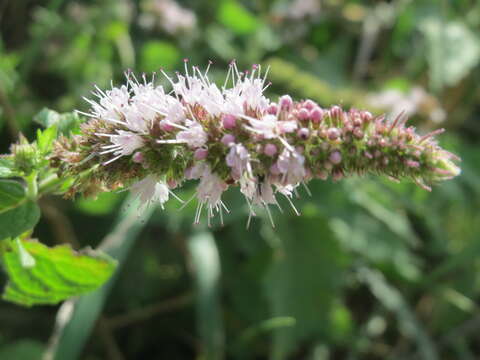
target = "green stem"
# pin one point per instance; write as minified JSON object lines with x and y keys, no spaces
{"x":32,"y":186}
{"x":49,"y":184}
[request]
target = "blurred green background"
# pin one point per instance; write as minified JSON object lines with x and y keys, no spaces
{"x":371,"y":270}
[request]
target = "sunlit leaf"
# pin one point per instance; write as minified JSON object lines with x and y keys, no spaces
{"x":46,"y":138}
{"x":42,"y":275}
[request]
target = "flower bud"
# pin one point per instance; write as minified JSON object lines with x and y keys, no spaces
{"x":228,"y":139}
{"x":303,"y":133}
{"x":309,"y":104}
{"x":335,"y":157}
{"x":316,"y":115}
{"x":285,"y":102}
{"x":270,"y":150}
{"x":228,"y":121}
{"x":333,"y":133}
{"x":303,"y":114}
{"x":272,"y":109}
{"x":25,"y":155}
{"x":138,"y":157}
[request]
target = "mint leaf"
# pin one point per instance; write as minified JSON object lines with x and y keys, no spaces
{"x":18,"y":220}
{"x":12,"y":194}
{"x":52,"y":274}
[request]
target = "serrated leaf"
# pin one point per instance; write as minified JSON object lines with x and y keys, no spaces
{"x":12,"y":194}
{"x":58,"y":273}
{"x":18,"y":220}
{"x":66,"y":123}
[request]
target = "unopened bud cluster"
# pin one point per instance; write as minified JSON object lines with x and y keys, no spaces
{"x":142,"y":137}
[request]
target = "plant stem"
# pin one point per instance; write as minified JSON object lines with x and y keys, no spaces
{"x":32,"y":186}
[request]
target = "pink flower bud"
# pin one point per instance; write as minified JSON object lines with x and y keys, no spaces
{"x":366,"y":116}
{"x":228,"y":139}
{"x":336,"y":111}
{"x":303,"y":133}
{"x":335,"y":157}
{"x":270,"y":150}
{"x":316,"y":115}
{"x":200,"y":154}
{"x":138,"y":157}
{"x":272,"y":109}
{"x":358,"y":133}
{"x":228,"y":121}
{"x":357,"y":121}
{"x":333,"y":133}
{"x":309,"y":104}
{"x":303,"y":114}
{"x":285,"y":102}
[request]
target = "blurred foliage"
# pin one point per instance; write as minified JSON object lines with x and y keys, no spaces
{"x":371,"y":270}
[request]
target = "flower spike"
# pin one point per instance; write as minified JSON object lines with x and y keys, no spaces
{"x":151,"y":141}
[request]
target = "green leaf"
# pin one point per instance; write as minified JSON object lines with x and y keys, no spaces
{"x":47,"y":117}
{"x":7,"y":168}
{"x":72,"y":332}
{"x":303,"y":280}
{"x":206,"y":270}
{"x":235,"y":17}
{"x":46,"y":138}
{"x":18,"y":220}
{"x":12,"y":194}
{"x":66,"y":123}
{"x":42,"y":275}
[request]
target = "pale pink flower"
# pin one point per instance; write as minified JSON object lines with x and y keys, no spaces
{"x":270,"y":127}
{"x":238,"y":159}
{"x":194,"y":136}
{"x":291,"y":166}
{"x":150,"y":190}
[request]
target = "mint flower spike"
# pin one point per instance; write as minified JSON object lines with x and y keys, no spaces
{"x":151,"y":140}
